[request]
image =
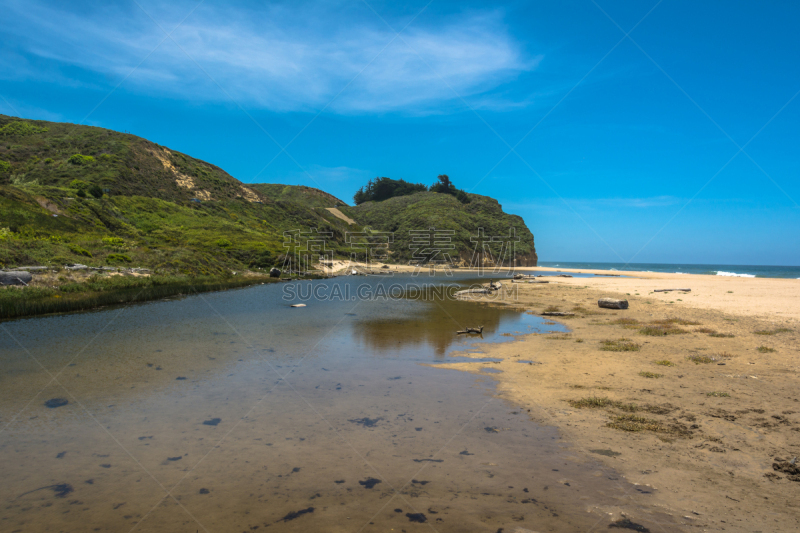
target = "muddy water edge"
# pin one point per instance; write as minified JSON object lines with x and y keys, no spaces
{"x":233,"y":411}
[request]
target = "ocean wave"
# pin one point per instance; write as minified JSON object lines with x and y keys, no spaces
{"x":734,"y":274}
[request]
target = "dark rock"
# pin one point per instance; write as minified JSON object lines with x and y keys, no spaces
{"x":56,"y":402}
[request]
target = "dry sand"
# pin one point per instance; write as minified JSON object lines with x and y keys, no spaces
{"x":711,"y":436}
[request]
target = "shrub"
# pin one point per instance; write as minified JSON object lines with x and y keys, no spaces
{"x":79,"y":185}
{"x":77,"y":250}
{"x":224,"y":243}
{"x":49,"y":161}
{"x":118,"y":258}
{"x":700,"y":359}
{"x":96,"y":191}
{"x":20,"y":127}
{"x":718,"y":394}
{"x":78,"y":159}
{"x":113,"y":241}
{"x":765,"y":349}
{"x":5,"y":166}
{"x":664,"y":362}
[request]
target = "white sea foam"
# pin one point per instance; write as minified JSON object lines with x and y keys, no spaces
{"x":734,"y":274}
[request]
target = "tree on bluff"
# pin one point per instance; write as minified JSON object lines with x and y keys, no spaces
{"x":445,"y":186}
{"x":380,"y":189}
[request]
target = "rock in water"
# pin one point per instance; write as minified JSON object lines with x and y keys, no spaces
{"x":610,"y":303}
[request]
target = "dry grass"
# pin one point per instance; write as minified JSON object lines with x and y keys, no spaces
{"x":630,"y":323}
{"x":771,"y":331}
{"x":595,"y":402}
{"x":700,"y":359}
{"x":636,"y":423}
{"x":714,"y":333}
{"x":651,"y":375}
{"x":562,"y":337}
{"x":621,"y":345}
{"x":664,"y":362}
{"x":678,"y":321}
{"x":716,"y":394}
{"x":661,"y":330}
{"x":765,"y":349}
{"x":552,"y":309}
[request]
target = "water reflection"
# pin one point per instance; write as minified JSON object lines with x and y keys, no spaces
{"x":432,"y":323}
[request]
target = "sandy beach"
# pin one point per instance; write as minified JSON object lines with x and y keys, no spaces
{"x":691,"y":395}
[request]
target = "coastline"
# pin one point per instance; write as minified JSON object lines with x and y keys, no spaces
{"x":703,"y":429}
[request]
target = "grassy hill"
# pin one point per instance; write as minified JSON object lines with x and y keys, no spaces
{"x":424,"y":210}
{"x":80,"y":194}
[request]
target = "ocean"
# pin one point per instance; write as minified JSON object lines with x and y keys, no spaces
{"x":741,"y":271}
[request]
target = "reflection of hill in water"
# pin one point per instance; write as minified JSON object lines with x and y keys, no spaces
{"x":434,"y":325}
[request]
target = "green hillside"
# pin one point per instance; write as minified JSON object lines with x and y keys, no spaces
{"x":425,"y":210}
{"x":81,"y":194}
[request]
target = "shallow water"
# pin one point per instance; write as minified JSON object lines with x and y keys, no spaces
{"x":231,"y":411}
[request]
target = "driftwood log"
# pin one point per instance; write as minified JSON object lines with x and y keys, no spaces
{"x":557,"y":313}
{"x":477,"y":331}
{"x":668,"y":290}
{"x":610,"y":303}
{"x":15,"y":278}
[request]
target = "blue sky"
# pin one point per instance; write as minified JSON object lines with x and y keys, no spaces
{"x":678,"y":143}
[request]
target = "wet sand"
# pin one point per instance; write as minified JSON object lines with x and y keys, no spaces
{"x":714,"y":426}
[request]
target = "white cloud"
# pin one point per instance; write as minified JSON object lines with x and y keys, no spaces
{"x":279,"y":58}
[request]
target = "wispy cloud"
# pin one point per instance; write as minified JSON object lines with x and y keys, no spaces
{"x":284,"y":57}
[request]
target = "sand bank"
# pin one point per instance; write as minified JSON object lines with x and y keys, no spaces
{"x":699,"y":415}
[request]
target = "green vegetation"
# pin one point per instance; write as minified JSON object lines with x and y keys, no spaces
{"x":718,"y":394}
{"x":765,"y":349}
{"x":79,"y":159}
{"x":664,"y":362}
{"x":620,"y":345}
{"x":20,"y":128}
{"x":100,"y":291}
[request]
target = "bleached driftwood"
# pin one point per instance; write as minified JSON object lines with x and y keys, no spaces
{"x":668,"y":290}
{"x":610,"y":303}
